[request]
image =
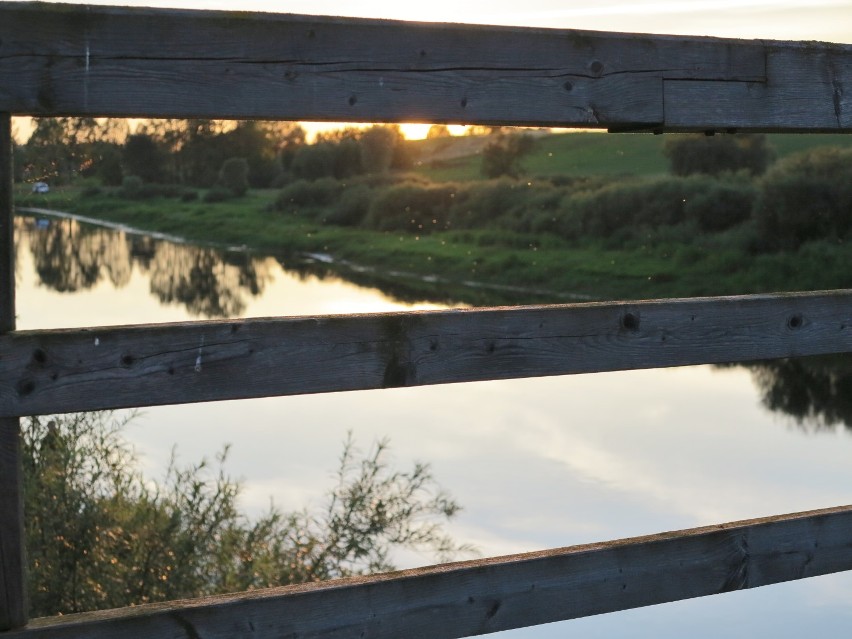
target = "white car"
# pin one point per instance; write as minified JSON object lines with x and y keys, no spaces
{"x":41,"y":187}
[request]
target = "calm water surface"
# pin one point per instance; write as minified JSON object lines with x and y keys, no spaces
{"x":536,"y":463}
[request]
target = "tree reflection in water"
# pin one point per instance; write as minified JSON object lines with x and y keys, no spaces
{"x":70,"y":257}
{"x":816,"y":392}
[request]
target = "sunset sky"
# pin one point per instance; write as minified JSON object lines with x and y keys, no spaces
{"x":829,"y":20}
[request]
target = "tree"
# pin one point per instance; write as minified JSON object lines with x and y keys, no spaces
{"x":100,"y":535}
{"x":234,"y":176}
{"x":503,"y":155}
{"x":712,"y":155}
{"x":144,"y":158}
{"x":438,"y":131}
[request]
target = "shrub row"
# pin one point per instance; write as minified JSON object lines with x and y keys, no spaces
{"x":802,"y":198}
{"x":570,"y":211}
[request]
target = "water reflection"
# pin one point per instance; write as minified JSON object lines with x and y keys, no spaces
{"x":815,"y":391}
{"x":69,"y":257}
{"x":207,"y":282}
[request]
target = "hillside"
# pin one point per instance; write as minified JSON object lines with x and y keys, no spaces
{"x":581,"y":153}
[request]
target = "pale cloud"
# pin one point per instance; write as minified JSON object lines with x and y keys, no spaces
{"x":827,"y":20}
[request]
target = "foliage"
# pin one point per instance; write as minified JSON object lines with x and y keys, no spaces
{"x":315,"y":161}
{"x":143,"y":157}
{"x":131,"y":186}
{"x":806,"y":196}
{"x":812,"y":390}
{"x":100,"y":535}
{"x":503,"y":155}
{"x":713,"y":155}
{"x":217,"y":193}
{"x":303,"y":194}
{"x":633,"y":207}
{"x":234,"y":176}
{"x":377,"y":148}
{"x":411,"y":206}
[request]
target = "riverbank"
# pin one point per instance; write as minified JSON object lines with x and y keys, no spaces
{"x":469,"y":266}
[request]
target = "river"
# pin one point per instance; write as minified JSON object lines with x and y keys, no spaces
{"x":536,"y":463}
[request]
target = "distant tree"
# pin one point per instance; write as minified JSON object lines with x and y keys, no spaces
{"x":315,"y":161}
{"x":503,"y":155}
{"x":378,"y":144}
{"x":144,"y":158}
{"x":104,"y":163}
{"x":438,"y":131}
{"x":234,"y":175}
{"x":60,"y":149}
{"x":100,"y":535}
{"x":712,"y":155}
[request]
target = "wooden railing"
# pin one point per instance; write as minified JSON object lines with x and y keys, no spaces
{"x":72,"y":60}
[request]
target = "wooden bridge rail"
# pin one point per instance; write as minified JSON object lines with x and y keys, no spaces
{"x":87,"y":61}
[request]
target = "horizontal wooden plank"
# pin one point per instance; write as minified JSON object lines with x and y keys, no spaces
{"x":97,"y":368}
{"x":808,"y":89}
{"x":73,"y":60}
{"x":478,"y":597}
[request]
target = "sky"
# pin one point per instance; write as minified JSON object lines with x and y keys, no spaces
{"x":828,"y":20}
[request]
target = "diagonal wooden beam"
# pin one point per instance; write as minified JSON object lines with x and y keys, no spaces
{"x":501,"y":593}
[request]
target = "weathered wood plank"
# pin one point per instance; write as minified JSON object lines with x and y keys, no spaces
{"x":13,"y":605}
{"x":811,"y":87}
{"x":96,"y":368}
{"x":7,"y":234}
{"x":478,"y":597}
{"x":71,"y":60}
{"x":13,"y":596}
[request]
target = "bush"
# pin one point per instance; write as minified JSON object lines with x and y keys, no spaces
{"x":314,"y":161}
{"x":131,"y":187}
{"x":352,"y":206}
{"x":100,"y":535}
{"x":311,"y":195}
{"x":713,"y":155}
{"x":628,"y":209}
{"x":217,"y":194}
{"x":411,"y":207}
{"x":234,"y":176}
{"x":721,"y":206}
{"x":503,"y":155}
{"x":806,"y":196}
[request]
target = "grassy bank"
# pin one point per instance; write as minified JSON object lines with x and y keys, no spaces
{"x":588,"y":153}
{"x":477,"y":266}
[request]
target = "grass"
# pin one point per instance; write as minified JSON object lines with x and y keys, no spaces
{"x":508,"y":267}
{"x":592,"y":153}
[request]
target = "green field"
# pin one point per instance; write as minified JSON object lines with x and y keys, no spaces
{"x":594,"y":153}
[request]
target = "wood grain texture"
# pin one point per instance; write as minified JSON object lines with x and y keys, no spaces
{"x":73,"y":60}
{"x":13,"y":587}
{"x":808,"y":89}
{"x":13,"y":605}
{"x":97,"y":368}
{"x":478,"y":597}
{"x":7,"y":235}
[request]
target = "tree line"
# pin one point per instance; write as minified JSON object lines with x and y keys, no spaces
{"x":202,"y":153}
